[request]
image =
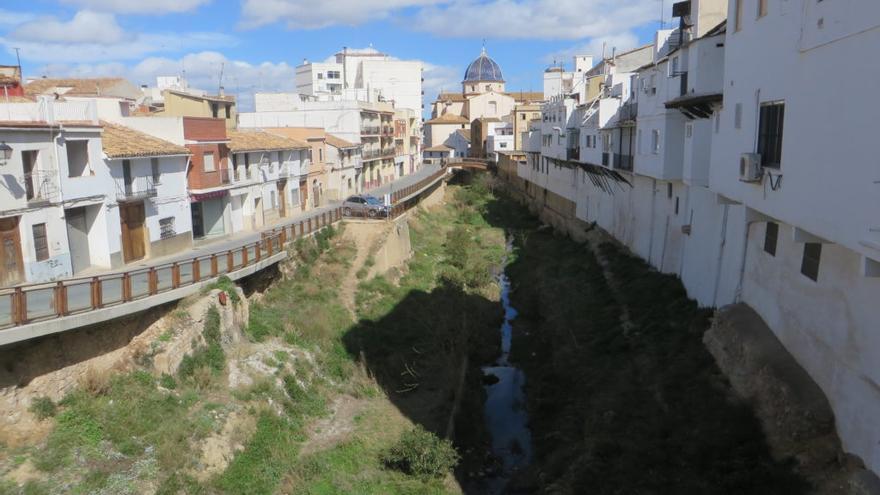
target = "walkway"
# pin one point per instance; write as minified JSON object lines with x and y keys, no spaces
{"x":31,"y":310}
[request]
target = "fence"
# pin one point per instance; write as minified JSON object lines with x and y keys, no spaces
{"x":38,"y":302}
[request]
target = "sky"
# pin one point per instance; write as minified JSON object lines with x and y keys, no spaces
{"x":260,"y":42}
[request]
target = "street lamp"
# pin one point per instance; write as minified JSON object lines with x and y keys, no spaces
{"x":5,"y":152}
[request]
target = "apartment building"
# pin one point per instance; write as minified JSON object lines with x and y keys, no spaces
{"x":366,"y":75}
{"x":711,"y":160}
{"x":313,"y":179}
{"x":266,"y":173}
{"x":58,"y":212}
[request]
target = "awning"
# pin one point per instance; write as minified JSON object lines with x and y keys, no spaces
{"x":196,"y":197}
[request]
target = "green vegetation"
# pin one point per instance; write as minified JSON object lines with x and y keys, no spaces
{"x":422,"y":453}
{"x":225,"y":284}
{"x":43,"y":408}
{"x":207,"y":359}
{"x":636,"y":410}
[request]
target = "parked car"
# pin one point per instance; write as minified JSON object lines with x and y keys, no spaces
{"x":364,"y":206}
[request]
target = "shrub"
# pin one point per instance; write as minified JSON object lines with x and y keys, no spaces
{"x":167,"y":381}
{"x":421,"y":453}
{"x":211,"y":356}
{"x":225,"y":284}
{"x":94,"y":381}
{"x":43,"y":407}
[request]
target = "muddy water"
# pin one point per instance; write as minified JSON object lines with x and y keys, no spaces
{"x":505,"y":411}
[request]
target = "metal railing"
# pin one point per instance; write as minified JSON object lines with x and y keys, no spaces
{"x":137,"y":188}
{"x":372,"y":154}
{"x":45,"y":301}
{"x":370,"y":130}
{"x":40,"y":187}
{"x":623,"y":162}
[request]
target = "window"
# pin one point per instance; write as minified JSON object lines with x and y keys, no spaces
{"x":655,"y":141}
{"x":228,"y":109}
{"x":762,"y":8}
{"x":689,"y":130}
{"x":320,"y":75}
{"x":770,"y":134}
{"x":166,"y":228}
{"x":673,"y":67}
{"x":272,"y":199}
{"x":154,"y":169}
{"x":522,"y":116}
{"x":676,"y":205}
{"x":502,"y":145}
{"x":738,"y":116}
{"x":771,"y":235}
{"x":320,"y":154}
{"x":810,"y":263}
{"x":639,"y":142}
{"x":333,"y":74}
{"x":41,"y":243}
{"x":208,"y":162}
{"x":488,"y":87}
{"x":78,"y":158}
{"x":737,"y":20}
{"x":493,"y":107}
{"x":215,"y":110}
{"x":669,"y":190}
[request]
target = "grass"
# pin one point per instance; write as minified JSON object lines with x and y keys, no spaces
{"x":642,"y":411}
{"x":208,"y":357}
{"x":43,"y":408}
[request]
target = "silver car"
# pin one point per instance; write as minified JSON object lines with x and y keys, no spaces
{"x":364,"y":206}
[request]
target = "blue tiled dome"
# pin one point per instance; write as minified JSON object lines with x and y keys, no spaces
{"x":483,"y":69}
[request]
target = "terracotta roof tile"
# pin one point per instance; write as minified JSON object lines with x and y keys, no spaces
{"x":448,"y":118}
{"x":338,"y":142}
{"x":124,"y":142}
{"x":253,"y":140}
{"x":80,"y":87}
{"x":439,"y":147}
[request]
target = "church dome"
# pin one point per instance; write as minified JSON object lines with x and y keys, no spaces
{"x":483,"y":69}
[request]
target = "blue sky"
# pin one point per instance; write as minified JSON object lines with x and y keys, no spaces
{"x":259,"y":42}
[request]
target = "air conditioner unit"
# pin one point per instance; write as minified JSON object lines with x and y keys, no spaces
{"x":750,"y":169}
{"x":686,"y":229}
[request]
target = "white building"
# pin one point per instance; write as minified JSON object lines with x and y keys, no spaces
{"x":500,"y":138}
{"x":363,"y":75}
{"x":149,"y":176}
{"x":558,"y":82}
{"x":58,"y":211}
{"x":750,"y":179}
{"x":344,"y":168}
{"x":266,"y":173}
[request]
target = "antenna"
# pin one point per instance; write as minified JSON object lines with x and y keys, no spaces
{"x":220,"y":82}
{"x":18,"y":58}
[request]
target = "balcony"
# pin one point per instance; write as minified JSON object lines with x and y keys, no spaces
{"x":622,"y":162}
{"x":628,"y":112}
{"x":135,"y":189}
{"x":374,"y":154}
{"x":40,"y":187}
{"x":369,"y":130}
{"x":573,"y":153}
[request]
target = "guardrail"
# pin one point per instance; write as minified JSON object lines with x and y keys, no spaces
{"x":406,"y":192}
{"x":32,"y":303}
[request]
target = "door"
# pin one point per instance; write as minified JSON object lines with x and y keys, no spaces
{"x":212,"y":211}
{"x":197,"y":223}
{"x":303,"y":194}
{"x":133,"y":238}
{"x":11,"y":266}
{"x":78,"y":238}
{"x":282,"y":198}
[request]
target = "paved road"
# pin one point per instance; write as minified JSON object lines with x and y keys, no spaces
{"x":40,"y":302}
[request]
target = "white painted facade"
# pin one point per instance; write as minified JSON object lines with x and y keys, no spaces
{"x":688,"y":213}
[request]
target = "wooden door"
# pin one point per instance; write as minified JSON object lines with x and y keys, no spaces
{"x":303,"y":194}
{"x":132,"y":218}
{"x":282,"y":199}
{"x":11,"y":266}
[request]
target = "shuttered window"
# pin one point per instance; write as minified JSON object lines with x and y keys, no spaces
{"x":41,"y":242}
{"x":771,"y":236}
{"x":770,"y":134}
{"x":810,"y":263}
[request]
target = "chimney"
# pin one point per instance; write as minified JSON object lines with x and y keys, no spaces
{"x":222,"y":91}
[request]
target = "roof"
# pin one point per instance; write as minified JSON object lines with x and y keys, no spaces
{"x":448,"y":118}
{"x":526,"y":95}
{"x":78,"y":87}
{"x":299,"y":133}
{"x":253,"y":140}
{"x":223,"y":99}
{"x":124,"y":142}
{"x":466,"y":134}
{"x":483,"y":69}
{"x":439,"y":147}
{"x":339,"y":143}
{"x":451,"y":97}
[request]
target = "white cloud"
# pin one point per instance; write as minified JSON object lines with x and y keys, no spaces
{"x":440,"y":78}
{"x":139,"y":6}
{"x":620,"y":42}
{"x":202,"y":70}
{"x":312,"y":14}
{"x":10,"y":18}
{"x":535,"y":19}
{"x":91,"y":37}
{"x":84,"y":27}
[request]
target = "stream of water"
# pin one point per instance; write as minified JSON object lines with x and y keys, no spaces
{"x":505,"y":408}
